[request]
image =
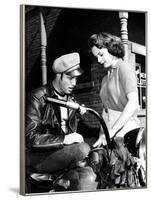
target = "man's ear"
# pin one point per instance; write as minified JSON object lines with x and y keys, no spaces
{"x":58,"y":76}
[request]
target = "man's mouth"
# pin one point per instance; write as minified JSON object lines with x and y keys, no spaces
{"x":70,"y":89}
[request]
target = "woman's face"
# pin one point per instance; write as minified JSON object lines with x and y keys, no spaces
{"x":103,"y":56}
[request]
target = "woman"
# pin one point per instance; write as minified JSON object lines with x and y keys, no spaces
{"x":118,"y":92}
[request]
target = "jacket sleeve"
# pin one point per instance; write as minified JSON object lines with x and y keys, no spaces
{"x":35,"y":136}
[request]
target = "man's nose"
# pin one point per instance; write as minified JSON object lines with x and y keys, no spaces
{"x":74,"y":81}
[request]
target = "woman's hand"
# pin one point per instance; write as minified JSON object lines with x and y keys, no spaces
{"x":112,"y":133}
{"x":73,"y":138}
{"x":101,"y":141}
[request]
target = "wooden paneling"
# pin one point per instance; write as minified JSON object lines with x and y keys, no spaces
{"x":138,"y":49}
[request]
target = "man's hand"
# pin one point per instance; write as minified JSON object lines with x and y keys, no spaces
{"x":73,"y":138}
{"x":82,"y":109}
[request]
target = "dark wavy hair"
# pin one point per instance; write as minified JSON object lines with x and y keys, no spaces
{"x":105,"y":40}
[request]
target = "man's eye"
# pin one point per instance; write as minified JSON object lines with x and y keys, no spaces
{"x":70,"y":78}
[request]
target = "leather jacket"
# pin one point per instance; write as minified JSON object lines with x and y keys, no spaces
{"x":43,"y":120}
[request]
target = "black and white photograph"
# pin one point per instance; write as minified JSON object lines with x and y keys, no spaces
{"x":83,"y":100}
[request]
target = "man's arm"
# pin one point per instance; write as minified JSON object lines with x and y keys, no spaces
{"x":35,"y":136}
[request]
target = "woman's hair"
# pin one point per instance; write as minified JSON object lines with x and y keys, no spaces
{"x":105,"y":40}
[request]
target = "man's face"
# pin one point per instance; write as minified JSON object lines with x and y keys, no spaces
{"x":67,"y":83}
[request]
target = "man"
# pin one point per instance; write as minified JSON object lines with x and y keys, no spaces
{"x":51,"y":138}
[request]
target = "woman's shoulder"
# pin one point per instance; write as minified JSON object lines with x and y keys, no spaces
{"x":123,"y":63}
{"x":127,"y":76}
{"x":126,"y":67}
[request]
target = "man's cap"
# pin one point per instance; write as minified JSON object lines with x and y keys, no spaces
{"x":69,"y":64}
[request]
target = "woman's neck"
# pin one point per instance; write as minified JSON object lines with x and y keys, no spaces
{"x":115,"y":60}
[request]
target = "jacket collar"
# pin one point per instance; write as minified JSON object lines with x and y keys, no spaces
{"x":50,"y":89}
{"x":52,"y":92}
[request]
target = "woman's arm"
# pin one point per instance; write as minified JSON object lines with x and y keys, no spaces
{"x":130,"y":109}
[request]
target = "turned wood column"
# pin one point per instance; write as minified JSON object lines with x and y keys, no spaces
{"x":124,"y":32}
{"x":43,"y":50}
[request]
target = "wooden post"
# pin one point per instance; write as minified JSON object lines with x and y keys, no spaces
{"x":124,"y":32}
{"x":43,"y":50}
